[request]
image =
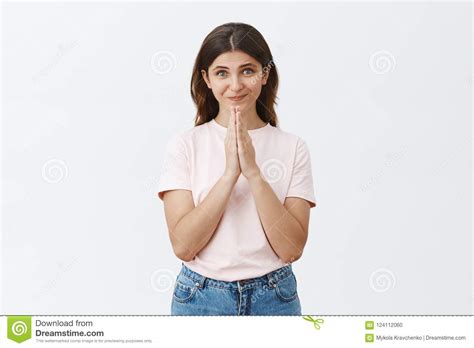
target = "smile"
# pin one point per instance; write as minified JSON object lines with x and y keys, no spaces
{"x":238,"y":98}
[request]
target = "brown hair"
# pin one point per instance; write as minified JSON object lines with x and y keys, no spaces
{"x":231,"y":37}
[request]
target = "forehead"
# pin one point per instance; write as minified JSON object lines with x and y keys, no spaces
{"x":234,"y":59}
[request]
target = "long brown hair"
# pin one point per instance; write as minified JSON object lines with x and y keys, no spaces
{"x":230,"y":37}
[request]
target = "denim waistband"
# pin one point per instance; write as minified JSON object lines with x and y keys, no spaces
{"x":269,"y":278}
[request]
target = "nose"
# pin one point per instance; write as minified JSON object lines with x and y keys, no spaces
{"x":235,"y":84}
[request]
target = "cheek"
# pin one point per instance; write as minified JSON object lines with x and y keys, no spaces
{"x":218,"y":89}
{"x":255,"y":90}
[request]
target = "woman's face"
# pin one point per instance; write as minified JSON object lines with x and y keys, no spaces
{"x":236,"y":74}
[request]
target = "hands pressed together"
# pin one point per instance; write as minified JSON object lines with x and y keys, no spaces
{"x":239,"y":150}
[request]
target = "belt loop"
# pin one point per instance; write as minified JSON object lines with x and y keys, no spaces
{"x":271,"y":282}
{"x":200,"y":284}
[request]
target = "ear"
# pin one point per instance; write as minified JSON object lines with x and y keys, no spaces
{"x":265,"y":75}
{"x":204,"y":76}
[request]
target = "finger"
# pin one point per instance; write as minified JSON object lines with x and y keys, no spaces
{"x":243,"y":123}
{"x":239,"y":125}
{"x":239,"y":120}
{"x":231,"y":124}
{"x":234,"y":123}
{"x":233,"y":129}
{"x":242,"y":129}
{"x":240,"y":137}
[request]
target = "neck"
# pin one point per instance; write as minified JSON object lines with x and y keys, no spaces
{"x":253,"y":120}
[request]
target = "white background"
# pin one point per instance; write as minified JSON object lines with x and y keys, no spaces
{"x":380,"y":92}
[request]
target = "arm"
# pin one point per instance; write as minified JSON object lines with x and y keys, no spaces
{"x":285,"y":225}
{"x":190,"y":228}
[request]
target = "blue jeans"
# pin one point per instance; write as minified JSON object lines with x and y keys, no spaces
{"x":272,"y":294}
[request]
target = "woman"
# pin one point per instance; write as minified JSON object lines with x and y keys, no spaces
{"x":237,"y":190}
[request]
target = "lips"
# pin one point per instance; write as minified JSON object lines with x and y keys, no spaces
{"x":238,"y":98}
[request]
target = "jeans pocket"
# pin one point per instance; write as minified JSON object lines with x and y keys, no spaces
{"x":286,"y":289}
{"x":184,"y":289}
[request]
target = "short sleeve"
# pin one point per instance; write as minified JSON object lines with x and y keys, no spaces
{"x":175,"y":173}
{"x":301,"y":182}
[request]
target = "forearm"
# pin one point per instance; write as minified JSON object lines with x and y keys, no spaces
{"x":284,"y":232}
{"x":196,"y":228}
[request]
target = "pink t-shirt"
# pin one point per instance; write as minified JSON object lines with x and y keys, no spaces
{"x":195,"y":160}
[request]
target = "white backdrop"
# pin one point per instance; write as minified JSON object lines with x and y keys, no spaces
{"x":92,"y":92}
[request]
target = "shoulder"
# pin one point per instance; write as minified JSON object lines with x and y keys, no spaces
{"x":186,"y":137}
{"x":289,"y":138}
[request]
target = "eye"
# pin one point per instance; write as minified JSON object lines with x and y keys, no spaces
{"x":250,"y":72}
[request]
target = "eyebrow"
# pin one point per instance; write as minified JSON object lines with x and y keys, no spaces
{"x":224,"y":67}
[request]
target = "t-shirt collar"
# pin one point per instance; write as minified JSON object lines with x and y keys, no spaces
{"x":221,"y":128}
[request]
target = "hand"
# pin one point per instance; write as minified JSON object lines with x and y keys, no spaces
{"x":246,"y":151}
{"x":232,"y":167}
